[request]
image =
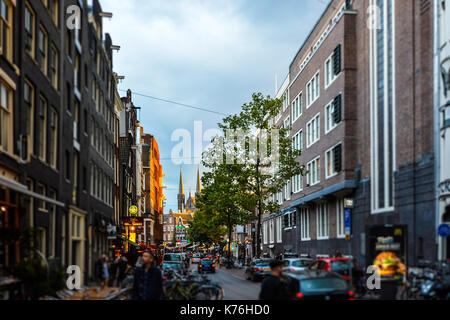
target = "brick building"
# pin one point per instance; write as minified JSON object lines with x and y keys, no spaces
{"x":358,"y":101}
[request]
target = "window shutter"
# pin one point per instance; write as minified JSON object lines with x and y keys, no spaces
{"x":338,"y":158}
{"x":337,"y":60}
{"x":337,"y":103}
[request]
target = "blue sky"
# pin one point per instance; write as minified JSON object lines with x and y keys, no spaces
{"x":208,"y":53}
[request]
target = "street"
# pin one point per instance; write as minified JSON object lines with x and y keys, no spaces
{"x":234,"y":284}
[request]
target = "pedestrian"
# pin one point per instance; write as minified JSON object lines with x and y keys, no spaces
{"x":338,"y":254}
{"x":147,"y":279}
{"x":105,"y":272}
{"x":121,"y":268}
{"x":98,"y":269}
{"x":276,"y":286}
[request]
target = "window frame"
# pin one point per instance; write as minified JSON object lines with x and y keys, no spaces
{"x":42,"y":118}
{"x":298,"y":101}
{"x":316,"y":119}
{"x":315,"y":89}
{"x":323,"y":229}
{"x":308,"y":175}
{"x":43,"y":55}
{"x":32,"y":51}
{"x":305,"y":224}
{"x":331,"y":152}
{"x":9,"y":31}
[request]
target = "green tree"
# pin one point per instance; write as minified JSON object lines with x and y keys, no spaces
{"x":221,"y":201}
{"x":204,"y":228}
{"x":252,"y":161}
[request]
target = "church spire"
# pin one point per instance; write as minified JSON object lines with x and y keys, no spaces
{"x":181,"y":198}
{"x":181,"y":188}
{"x":199,"y":183}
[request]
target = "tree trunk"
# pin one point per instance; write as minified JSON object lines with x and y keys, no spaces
{"x":258,"y":227}
{"x":229,"y":239}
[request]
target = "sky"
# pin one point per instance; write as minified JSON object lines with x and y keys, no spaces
{"x":211,"y":54}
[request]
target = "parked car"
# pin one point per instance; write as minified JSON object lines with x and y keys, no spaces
{"x":297,"y":264}
{"x":341,"y":267}
{"x":206,"y":265}
{"x":320,"y":285}
{"x":176,"y":257}
{"x":258,"y":269}
{"x":195,"y":258}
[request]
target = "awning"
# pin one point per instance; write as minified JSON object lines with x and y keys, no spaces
{"x":11,"y":184}
{"x":130,"y":242}
{"x":347,"y":184}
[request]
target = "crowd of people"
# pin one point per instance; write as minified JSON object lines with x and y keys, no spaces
{"x":145,"y":277}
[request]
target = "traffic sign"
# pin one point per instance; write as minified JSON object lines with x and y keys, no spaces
{"x":444,"y":230}
{"x":347,"y":221}
{"x":133,"y":210}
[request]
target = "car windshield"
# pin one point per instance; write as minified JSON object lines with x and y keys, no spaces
{"x":321,"y":285}
{"x":172,"y":257}
{"x":301,"y":263}
{"x":207,"y":262}
{"x":171,"y":265}
{"x":341,"y":266}
{"x":262,"y":262}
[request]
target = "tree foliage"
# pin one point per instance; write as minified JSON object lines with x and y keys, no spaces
{"x":252,"y":161}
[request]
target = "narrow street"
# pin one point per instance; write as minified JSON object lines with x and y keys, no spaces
{"x":234,"y":284}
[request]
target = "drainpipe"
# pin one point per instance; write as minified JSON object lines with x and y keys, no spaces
{"x":437,"y":139}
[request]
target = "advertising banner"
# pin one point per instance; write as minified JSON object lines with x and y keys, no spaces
{"x":387,"y":249}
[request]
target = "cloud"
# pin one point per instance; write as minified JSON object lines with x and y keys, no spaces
{"x":207,"y":53}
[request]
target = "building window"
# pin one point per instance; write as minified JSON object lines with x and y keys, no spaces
{"x":313,"y":175}
{"x":297,"y":141}
{"x":382,"y":100}
{"x":43,"y":49}
{"x":53,"y":138}
{"x":265,"y":232}
{"x":42,"y":128}
{"x":29,"y":114}
{"x":333,"y":113}
{"x":54,"y":11}
{"x":333,"y":161}
{"x":287,"y":190}
{"x":322,"y":221}
{"x":313,"y":90}
{"x":313,"y":131}
{"x":279,"y":230}
{"x":297,"y":107}
{"x":333,"y":66}
{"x":29,"y":30}
{"x":304,"y":224}
{"x":297,"y":183}
{"x":287,"y":124}
{"x":76,"y":122}
{"x":340,"y":221}
{"x":41,"y":191}
{"x":285,"y":100}
{"x":5,"y":117}
{"x":271,"y":230}
{"x":54,"y":66}
{"x":6,"y":29}
{"x":290,"y":219}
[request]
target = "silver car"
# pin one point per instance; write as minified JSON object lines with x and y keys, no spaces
{"x":297,"y":264}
